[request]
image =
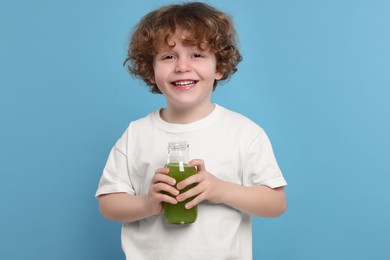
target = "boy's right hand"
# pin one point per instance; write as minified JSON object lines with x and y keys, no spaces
{"x":160,"y":186}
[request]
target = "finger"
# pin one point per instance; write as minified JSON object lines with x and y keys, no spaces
{"x":198,"y":163}
{"x":166,"y":198}
{"x":163,"y":170}
{"x":191,"y":193}
{"x":196,"y":178}
{"x":163,"y":188}
{"x":198,"y":199}
{"x":162,"y":177}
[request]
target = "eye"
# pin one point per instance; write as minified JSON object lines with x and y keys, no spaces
{"x":167,"y":57}
{"x":198,"y":55}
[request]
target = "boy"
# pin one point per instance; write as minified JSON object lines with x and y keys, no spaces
{"x":183,"y":51}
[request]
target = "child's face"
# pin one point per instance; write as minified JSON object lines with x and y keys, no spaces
{"x":185,"y":74}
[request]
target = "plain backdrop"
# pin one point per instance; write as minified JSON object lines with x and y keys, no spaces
{"x":315,"y":76}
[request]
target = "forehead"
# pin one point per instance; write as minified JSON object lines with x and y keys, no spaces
{"x":169,"y":40}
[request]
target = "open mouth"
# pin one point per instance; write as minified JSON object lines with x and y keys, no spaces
{"x":184,"y":83}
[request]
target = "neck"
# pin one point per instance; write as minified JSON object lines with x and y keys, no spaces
{"x":185,"y":116}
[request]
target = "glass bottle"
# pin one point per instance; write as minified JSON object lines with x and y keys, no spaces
{"x":178,"y":156}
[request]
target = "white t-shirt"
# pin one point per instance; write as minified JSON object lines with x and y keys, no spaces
{"x":233,"y":148}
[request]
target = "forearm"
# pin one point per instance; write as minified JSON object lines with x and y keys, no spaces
{"x":124,"y":207}
{"x":255,"y":200}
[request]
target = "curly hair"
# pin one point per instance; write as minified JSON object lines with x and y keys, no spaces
{"x":198,"y":24}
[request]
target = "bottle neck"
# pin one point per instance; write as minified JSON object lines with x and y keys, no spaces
{"x":178,"y":152}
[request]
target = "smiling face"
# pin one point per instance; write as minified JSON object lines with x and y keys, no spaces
{"x":185,"y":74}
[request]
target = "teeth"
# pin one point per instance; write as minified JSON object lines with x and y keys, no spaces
{"x":184,"y":83}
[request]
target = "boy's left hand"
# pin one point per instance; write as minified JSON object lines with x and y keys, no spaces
{"x":258,"y":200}
{"x":208,"y":186}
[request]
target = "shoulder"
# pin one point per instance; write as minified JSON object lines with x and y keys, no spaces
{"x":136,"y":129}
{"x":237,"y":120}
{"x":147,"y":120}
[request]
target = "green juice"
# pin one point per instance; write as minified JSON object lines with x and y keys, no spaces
{"x":177,"y":213}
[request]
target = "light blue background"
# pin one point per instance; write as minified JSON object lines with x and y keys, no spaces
{"x":315,"y":76}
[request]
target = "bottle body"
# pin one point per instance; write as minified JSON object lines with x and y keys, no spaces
{"x":178,"y":153}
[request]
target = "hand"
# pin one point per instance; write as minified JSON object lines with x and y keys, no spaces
{"x":161,"y":185}
{"x":208,"y":186}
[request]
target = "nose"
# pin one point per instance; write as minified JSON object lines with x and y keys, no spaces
{"x":182,"y":65}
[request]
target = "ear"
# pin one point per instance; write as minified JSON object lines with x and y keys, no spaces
{"x":153,"y":80}
{"x":218,"y":75}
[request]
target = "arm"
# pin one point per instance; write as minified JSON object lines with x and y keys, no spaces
{"x":124,"y":207}
{"x":256,"y":200}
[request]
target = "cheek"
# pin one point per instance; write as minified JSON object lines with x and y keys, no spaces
{"x":156,"y":71}
{"x":160,"y":78}
{"x":160,"y":72}
{"x":157,"y":77}
{"x":211,"y":73}
{"x":156,"y":74}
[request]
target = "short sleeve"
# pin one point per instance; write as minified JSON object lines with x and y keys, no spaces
{"x":260,"y":166}
{"x":115,"y":177}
